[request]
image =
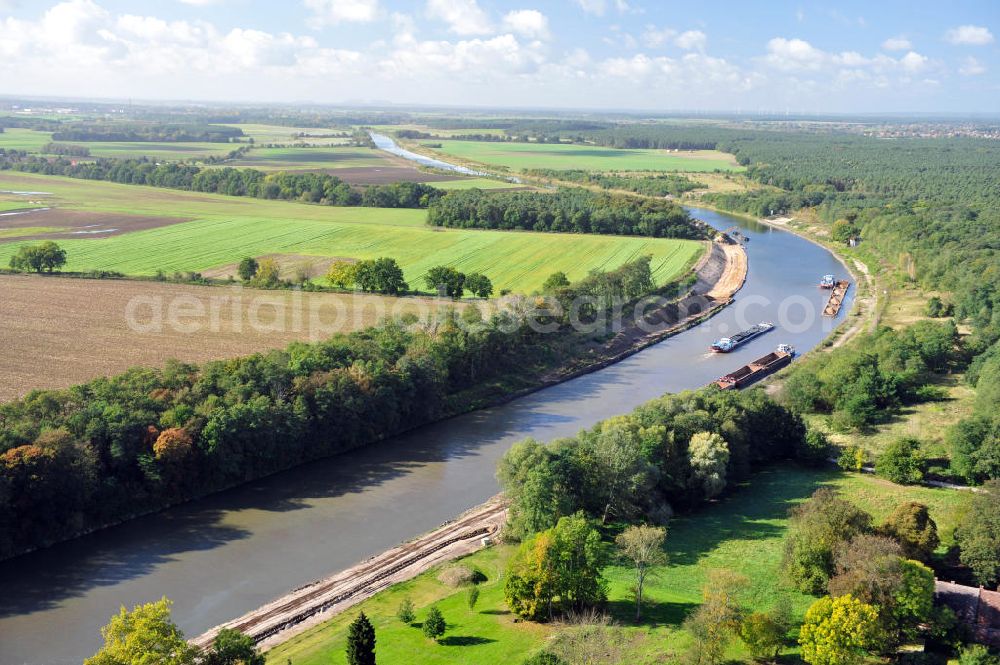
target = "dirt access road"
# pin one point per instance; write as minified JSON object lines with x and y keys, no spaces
{"x":316,"y":602}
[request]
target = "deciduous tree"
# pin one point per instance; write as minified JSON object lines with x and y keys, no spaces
{"x":839,"y":631}
{"x":643,"y":547}
{"x":144,"y":635}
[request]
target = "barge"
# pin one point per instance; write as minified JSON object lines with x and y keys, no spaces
{"x":758,"y":369}
{"x":727,"y":344}
{"x":836,"y":298}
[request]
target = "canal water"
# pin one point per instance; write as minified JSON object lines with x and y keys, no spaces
{"x":224,"y":555}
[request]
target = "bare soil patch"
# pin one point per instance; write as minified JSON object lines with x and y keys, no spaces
{"x":59,"y":331}
{"x":79,"y":223}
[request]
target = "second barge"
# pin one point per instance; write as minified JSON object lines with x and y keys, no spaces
{"x":758,"y":369}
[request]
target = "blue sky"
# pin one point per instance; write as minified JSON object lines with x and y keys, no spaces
{"x":612,"y":54}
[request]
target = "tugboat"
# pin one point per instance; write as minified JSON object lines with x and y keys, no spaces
{"x":827,"y":282}
{"x":727,"y":344}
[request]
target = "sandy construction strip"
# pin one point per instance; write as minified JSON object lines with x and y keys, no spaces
{"x":314,"y":603}
{"x":733,"y":275}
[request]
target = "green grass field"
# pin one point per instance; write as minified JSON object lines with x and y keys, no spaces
{"x":743,"y":532}
{"x":517,"y":156}
{"x":473,"y":183}
{"x":14,"y":138}
{"x":154,"y":150}
{"x":225,"y":229}
{"x":281,"y":134}
{"x":301,"y":159}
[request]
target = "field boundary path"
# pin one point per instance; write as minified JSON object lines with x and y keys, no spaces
{"x":316,"y":602}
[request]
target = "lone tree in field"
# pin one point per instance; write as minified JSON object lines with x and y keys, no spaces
{"x":434,"y":625}
{"x":479,"y":284}
{"x":247,"y":269}
{"x":44,"y":257}
{"x":361,"y":642}
{"x":445,"y":280}
{"x":643,"y":546}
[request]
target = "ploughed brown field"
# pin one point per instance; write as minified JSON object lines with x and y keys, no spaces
{"x":58,"y":331}
{"x":63,"y":224}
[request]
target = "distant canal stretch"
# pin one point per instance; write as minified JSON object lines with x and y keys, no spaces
{"x":383,"y":142}
{"x":229,"y":553}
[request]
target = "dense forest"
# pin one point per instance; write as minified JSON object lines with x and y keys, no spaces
{"x":569,"y":210}
{"x":319,"y":188}
{"x":84,"y":457}
{"x":146,"y":131}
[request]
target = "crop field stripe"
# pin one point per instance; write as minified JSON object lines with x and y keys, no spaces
{"x":223,"y":230}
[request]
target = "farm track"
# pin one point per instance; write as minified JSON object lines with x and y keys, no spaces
{"x":313,"y":603}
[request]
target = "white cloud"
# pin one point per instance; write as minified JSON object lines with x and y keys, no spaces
{"x":332,"y":12}
{"x":971,"y":67}
{"x":475,"y":59}
{"x":692,"y":40}
{"x":898,"y":43}
{"x":595,"y":7}
{"x":654,"y":37}
{"x":464,"y":17}
{"x":970,"y":35}
{"x":201,"y":3}
{"x":793,"y":54}
{"x":913,"y":62}
{"x":527,"y":22}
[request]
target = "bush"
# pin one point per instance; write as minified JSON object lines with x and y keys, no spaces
{"x":977,"y":654}
{"x":814,"y":450}
{"x":405,"y":611}
{"x":902,"y":462}
{"x":544,"y":658}
{"x":852,"y":458}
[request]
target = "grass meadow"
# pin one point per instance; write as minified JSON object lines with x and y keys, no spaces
{"x":222,"y":230}
{"x":744,"y":532}
{"x":517,"y":156}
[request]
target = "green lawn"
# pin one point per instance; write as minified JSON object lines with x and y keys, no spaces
{"x":224,"y":229}
{"x":742,"y":532}
{"x":519,"y":156}
{"x":14,"y":138}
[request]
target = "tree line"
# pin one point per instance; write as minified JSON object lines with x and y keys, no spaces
{"x":318,"y":188}
{"x":137,"y":131}
{"x":647,"y":184}
{"x":568,"y":210}
{"x":77,"y":459}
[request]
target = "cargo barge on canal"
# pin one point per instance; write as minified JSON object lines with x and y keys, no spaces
{"x":758,"y":369}
{"x":727,"y":344}
{"x":836,"y":298}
